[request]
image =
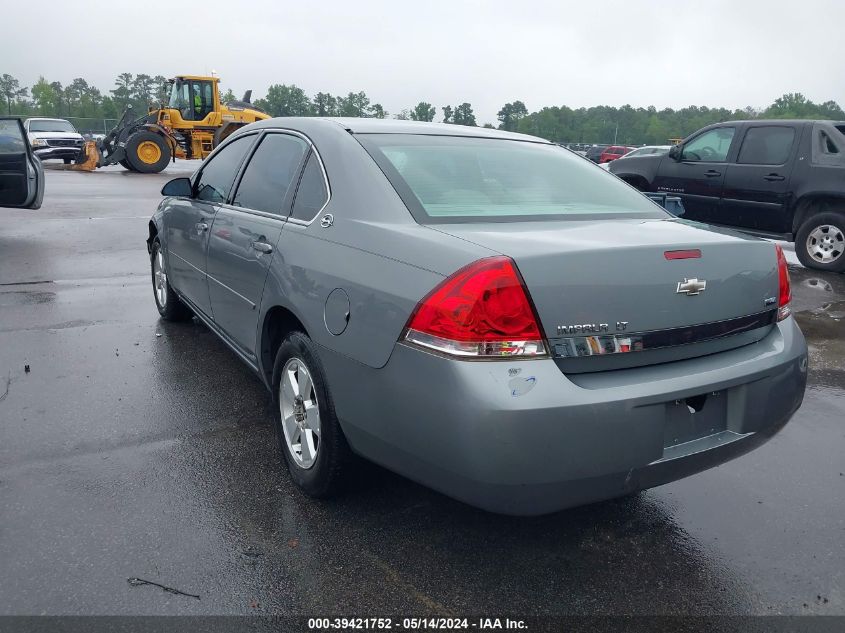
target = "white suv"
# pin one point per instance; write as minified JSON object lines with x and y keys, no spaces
{"x":53,"y":138}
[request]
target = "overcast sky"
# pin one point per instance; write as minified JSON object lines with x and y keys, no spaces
{"x":671,"y":53}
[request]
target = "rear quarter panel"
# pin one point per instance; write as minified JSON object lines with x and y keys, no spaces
{"x":818,"y":181}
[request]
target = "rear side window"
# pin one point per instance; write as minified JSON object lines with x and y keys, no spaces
{"x":827,"y":144}
{"x":466,"y":179}
{"x":767,"y":145}
{"x":270,"y":173}
{"x":312,"y":194}
{"x":218,"y":175}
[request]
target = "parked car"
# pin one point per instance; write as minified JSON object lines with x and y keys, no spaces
{"x":480,"y":311}
{"x":648,"y":150}
{"x":21,"y":174}
{"x":613,"y":152}
{"x":779,"y":179}
{"x":594,"y":152}
{"x":54,"y":138}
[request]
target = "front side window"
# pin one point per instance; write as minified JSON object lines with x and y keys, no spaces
{"x":11,"y":138}
{"x":465,"y":179}
{"x":270,"y":173}
{"x":311,"y":195}
{"x":201,"y":101}
{"x":710,"y":147}
{"x":218,"y":174}
{"x":767,"y":145}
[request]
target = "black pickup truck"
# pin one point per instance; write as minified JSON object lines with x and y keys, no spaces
{"x":778,"y":179}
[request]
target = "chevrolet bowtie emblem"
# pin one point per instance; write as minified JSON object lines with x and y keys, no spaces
{"x":691,"y":287}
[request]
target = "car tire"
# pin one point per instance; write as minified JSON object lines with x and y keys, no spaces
{"x":147,"y":152}
{"x":323,"y":471}
{"x":820,"y":241}
{"x":169,"y":305}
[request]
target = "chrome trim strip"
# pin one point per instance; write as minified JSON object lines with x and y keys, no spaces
{"x":178,"y":256}
{"x":234,"y":292}
{"x":606,"y":344}
{"x":261,"y":214}
{"x":249,"y":359}
{"x":753,"y":203}
{"x":214,"y":279}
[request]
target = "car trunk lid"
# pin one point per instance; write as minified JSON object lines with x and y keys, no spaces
{"x":611,"y":286}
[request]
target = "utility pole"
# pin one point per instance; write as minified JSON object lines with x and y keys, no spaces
{"x":616,"y":133}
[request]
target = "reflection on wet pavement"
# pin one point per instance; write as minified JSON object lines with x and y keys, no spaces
{"x":139,"y":448}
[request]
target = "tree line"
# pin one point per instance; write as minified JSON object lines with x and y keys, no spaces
{"x":625,"y":125}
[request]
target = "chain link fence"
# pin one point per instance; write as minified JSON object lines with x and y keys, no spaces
{"x":83,"y":125}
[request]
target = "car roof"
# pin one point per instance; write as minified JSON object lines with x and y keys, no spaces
{"x":397,"y":126}
{"x":779,"y":121}
{"x":45,"y":118}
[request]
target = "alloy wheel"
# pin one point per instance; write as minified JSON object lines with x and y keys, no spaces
{"x":300,"y":412}
{"x":826,"y":243}
{"x":160,"y":279}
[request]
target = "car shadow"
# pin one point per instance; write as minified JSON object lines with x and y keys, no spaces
{"x":393,"y":543}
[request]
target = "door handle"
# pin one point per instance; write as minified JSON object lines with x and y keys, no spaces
{"x":262,"y":247}
{"x":201,"y":227}
{"x":712,"y":173}
{"x":772,"y":177}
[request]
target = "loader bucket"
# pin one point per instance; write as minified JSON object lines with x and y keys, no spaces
{"x":88,"y":160}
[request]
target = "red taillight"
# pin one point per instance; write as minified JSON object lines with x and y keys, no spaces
{"x":482,"y":310}
{"x":785,"y":289}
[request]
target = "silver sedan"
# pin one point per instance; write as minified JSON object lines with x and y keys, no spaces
{"x":483,"y":312}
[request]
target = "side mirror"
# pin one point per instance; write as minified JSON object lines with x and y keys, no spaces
{"x":676,"y":151}
{"x":179,"y":188}
{"x":21,"y":172}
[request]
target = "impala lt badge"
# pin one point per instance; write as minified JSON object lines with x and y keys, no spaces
{"x":691,"y":287}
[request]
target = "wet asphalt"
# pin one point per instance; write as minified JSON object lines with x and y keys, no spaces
{"x":139,"y":448}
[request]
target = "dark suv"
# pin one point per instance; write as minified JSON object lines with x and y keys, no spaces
{"x":774,"y":178}
{"x":594,"y":152}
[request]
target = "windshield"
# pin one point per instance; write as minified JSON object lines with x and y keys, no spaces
{"x":178,"y":95}
{"x":462,"y":179}
{"x":51,"y":126}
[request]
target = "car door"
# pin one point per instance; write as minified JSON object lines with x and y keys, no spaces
{"x":246,"y":231}
{"x":697,"y":172}
{"x":21,"y":173}
{"x":756,"y":190}
{"x":188,"y":220}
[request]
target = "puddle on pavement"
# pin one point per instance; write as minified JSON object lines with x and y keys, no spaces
{"x":25,"y":297}
{"x":817,"y":284}
{"x":824,"y":329}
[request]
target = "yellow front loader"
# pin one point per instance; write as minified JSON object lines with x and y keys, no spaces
{"x":190,"y":125}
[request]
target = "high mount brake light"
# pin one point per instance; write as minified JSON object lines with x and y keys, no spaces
{"x":692,"y":253}
{"x":481,"y":311}
{"x":784,"y":286}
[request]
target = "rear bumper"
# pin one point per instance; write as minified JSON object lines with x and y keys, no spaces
{"x":523,"y":438}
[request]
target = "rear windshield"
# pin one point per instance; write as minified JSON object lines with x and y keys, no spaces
{"x":50,"y":126}
{"x":463,"y":179}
